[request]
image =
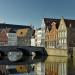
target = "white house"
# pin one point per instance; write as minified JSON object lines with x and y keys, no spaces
{"x":38,"y":34}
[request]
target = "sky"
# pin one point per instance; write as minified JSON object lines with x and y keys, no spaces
{"x":31,"y":12}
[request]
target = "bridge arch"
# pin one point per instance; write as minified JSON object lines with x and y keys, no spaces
{"x":25,"y":52}
{"x":2,"y":54}
{"x":38,"y":53}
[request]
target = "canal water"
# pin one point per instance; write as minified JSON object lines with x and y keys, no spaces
{"x":51,"y":65}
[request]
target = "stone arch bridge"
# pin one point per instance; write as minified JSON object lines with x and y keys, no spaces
{"x":27,"y":50}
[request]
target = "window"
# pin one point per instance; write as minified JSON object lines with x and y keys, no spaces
{"x":62,"y":40}
{"x":58,"y":35}
{"x":62,"y":27}
{"x":46,"y":44}
{"x":65,"y":41}
{"x":65,"y":34}
{"x":62,"y":34}
{"x":59,"y":41}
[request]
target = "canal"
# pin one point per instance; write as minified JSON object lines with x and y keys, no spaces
{"x":51,"y":65}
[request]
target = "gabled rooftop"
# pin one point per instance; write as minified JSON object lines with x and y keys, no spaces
{"x":68,"y":22}
{"x":13,"y":26}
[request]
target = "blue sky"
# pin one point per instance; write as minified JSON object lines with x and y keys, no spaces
{"x":26,"y":12}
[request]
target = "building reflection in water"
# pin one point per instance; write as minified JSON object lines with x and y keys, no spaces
{"x":53,"y":65}
{"x":71,"y":66}
{"x":20,"y":69}
{"x":74,"y":61}
{"x":40,"y":68}
{"x":56,"y":65}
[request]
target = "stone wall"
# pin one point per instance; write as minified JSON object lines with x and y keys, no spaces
{"x":57,"y":52}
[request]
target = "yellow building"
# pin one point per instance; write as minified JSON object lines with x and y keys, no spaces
{"x":24,"y":37}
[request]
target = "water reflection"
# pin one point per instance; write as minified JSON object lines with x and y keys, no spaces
{"x":24,"y":60}
{"x":52,"y":65}
{"x":56,"y":66}
{"x":71,"y":66}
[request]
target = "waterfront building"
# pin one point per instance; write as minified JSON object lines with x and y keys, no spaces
{"x":51,"y":36}
{"x":38,"y":37}
{"x":8,"y":37}
{"x":33,"y":38}
{"x":43,"y":26}
{"x":65,"y":29}
{"x":24,"y":37}
{"x":33,"y":41}
{"x":62,"y":34}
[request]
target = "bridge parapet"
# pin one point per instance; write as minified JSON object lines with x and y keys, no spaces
{"x":25,"y":49}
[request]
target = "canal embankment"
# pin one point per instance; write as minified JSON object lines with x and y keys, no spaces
{"x":57,"y":52}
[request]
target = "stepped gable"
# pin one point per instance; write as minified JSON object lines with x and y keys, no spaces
{"x":48,"y":22}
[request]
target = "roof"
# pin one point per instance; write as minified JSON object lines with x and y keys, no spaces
{"x":48,"y":22}
{"x":13,"y":26}
{"x":12,"y":31}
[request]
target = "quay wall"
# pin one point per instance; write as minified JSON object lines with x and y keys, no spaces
{"x":57,"y":52}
